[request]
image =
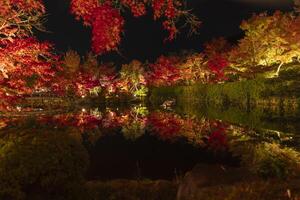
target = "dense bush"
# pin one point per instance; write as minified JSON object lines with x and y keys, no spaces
{"x":41,"y":162}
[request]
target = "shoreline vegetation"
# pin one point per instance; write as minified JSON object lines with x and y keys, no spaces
{"x":278,"y":93}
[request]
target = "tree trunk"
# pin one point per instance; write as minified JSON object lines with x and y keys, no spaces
{"x":278,"y":69}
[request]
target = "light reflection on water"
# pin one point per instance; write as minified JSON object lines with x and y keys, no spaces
{"x":141,"y":142}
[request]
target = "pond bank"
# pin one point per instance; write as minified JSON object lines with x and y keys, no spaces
{"x":278,"y":94}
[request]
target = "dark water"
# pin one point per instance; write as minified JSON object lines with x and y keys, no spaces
{"x":139,"y":142}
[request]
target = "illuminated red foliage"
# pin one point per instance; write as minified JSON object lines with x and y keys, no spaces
{"x":83,"y":9}
{"x":137,"y":8}
{"x":28,"y":5}
{"x":108,"y":78}
{"x":27,"y":66}
{"x":167,"y":9}
{"x":79,"y":85}
{"x":217,"y":64}
{"x":84,"y":82}
{"x":104,"y":17}
{"x":164,"y":72}
{"x":18,"y":17}
{"x":107,"y":27}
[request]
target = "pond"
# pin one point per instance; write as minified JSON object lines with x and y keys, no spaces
{"x":144,"y":142}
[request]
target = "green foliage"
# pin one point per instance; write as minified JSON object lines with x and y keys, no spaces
{"x":268,"y":160}
{"x":244,"y":94}
{"x":132,"y":79}
{"x":40,"y":162}
{"x":141,"y":92}
{"x":236,"y":93}
{"x":271,"y":160}
{"x":141,"y":110}
{"x":134,"y":130}
{"x":96,"y":91}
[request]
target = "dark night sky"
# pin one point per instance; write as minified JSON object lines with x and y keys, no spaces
{"x":143,"y":38}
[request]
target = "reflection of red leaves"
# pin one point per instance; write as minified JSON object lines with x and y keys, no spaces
{"x":82,"y":120}
{"x":111,"y":120}
{"x":166,"y":125}
{"x":217,"y":139}
{"x":86,"y":121}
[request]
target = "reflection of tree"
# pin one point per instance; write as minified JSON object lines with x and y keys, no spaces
{"x":165,"y":125}
{"x":259,"y":150}
{"x":40,"y":162}
{"x":135,"y":124}
{"x":134,"y":130}
{"x":217,"y":139}
{"x":3,"y":123}
{"x":264,"y":155}
{"x":171,"y":127}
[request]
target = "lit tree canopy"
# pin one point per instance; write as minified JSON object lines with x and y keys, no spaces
{"x":218,"y":46}
{"x":26,"y":65}
{"x":132,"y":76}
{"x":268,"y":40}
{"x":19,"y":17}
{"x":104,"y":16}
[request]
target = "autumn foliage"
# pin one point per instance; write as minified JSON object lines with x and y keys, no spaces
{"x":29,"y":67}
{"x":107,"y":26}
{"x":19,"y":17}
{"x":26,"y":65}
{"x":107,"y":23}
{"x":269,"y":40}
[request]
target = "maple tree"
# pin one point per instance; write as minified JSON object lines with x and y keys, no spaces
{"x":216,"y":52}
{"x":192,"y":68}
{"x":217,"y":64}
{"x":186,"y":69}
{"x":107,"y":26}
{"x":77,"y":79}
{"x":164,"y":71}
{"x":217,"y":47}
{"x":108,"y":78}
{"x":18,"y":18}
{"x":27,"y":66}
{"x":268,"y":40}
{"x":107,"y":23}
{"x":132,"y":78}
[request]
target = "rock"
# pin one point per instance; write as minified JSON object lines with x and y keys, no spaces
{"x":204,"y":176}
